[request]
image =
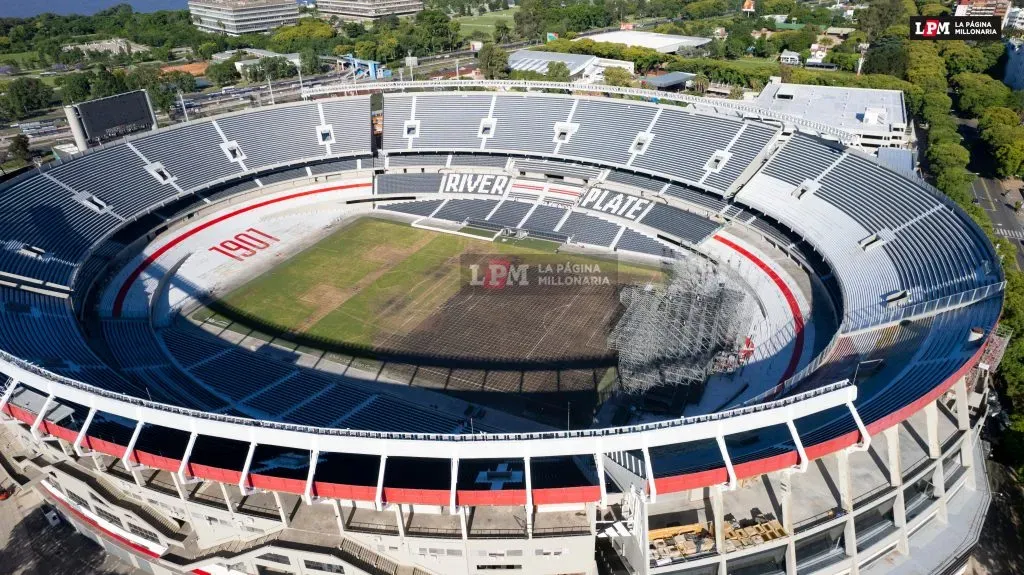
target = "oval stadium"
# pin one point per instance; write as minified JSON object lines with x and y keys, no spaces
{"x":458,"y":327}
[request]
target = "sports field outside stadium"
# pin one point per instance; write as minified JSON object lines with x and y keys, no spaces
{"x":382,"y":285}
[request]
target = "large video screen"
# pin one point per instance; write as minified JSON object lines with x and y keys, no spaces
{"x":110,"y":118}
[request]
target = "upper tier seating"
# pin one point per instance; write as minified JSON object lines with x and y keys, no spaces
{"x":686,"y":226}
{"x":522,"y":125}
{"x":408,"y":183}
{"x":295,"y":137}
{"x":191,"y":153}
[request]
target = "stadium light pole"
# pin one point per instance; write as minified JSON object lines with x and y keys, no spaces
{"x":183,"y":108}
{"x":270,"y":86}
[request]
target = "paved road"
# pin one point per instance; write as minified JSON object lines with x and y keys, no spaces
{"x":1000,"y":549}
{"x":988,"y":191}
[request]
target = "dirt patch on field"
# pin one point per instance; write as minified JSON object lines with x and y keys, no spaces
{"x":328,"y":298}
{"x":385,"y":253}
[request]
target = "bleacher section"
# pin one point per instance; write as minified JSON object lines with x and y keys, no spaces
{"x":398,"y":161}
{"x":283,"y":176}
{"x":510,"y":213}
{"x":544,"y":218}
{"x":586,"y":229}
{"x":295,"y":138}
{"x":750,"y":144}
{"x":462,"y":210}
{"x":632,"y":241}
{"x":597,"y":140}
{"x":408,"y":184}
{"x":91,"y":174}
{"x":39,"y":213}
{"x":704,"y":135}
{"x":921,"y":245}
{"x":522,"y":125}
{"x":686,"y":226}
{"x":333,"y":166}
{"x":559,"y":169}
{"x":421,"y":208}
{"x":191,"y":153}
{"x":480,"y":161}
{"x":802,"y":158}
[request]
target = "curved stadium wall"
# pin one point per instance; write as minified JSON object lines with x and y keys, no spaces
{"x":903,"y":259}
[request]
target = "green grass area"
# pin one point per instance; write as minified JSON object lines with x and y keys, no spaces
{"x":369,"y":279}
{"x":486,"y":22}
{"x":19,"y":57}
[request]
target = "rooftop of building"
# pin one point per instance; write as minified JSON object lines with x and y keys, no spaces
{"x":660,"y":42}
{"x":853,"y":109}
{"x":537,"y":61}
{"x":243,"y":4}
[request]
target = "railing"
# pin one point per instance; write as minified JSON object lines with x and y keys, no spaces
{"x":790,"y":383}
{"x":819,"y":519}
{"x":862,"y":319}
{"x":732,"y":105}
{"x":478,"y":437}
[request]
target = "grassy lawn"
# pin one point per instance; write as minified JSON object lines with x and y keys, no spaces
{"x":19,"y":57}
{"x":485,"y":22}
{"x":372,"y":278}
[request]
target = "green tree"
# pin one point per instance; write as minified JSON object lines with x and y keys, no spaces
{"x":309,"y":62}
{"x":223,"y":73}
{"x":616,"y":76}
{"x":23,"y":97}
{"x":493,"y":61}
{"x":18,"y":148}
{"x":977,"y":92}
{"x":502,"y":33}
{"x":106,"y":83}
{"x":557,"y":72}
{"x":207,"y":50}
{"x":75,"y":87}
{"x":701,"y":83}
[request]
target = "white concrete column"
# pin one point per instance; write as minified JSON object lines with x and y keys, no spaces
{"x":718,"y":516}
{"x":939,"y":484}
{"x":963,"y":405}
{"x":892,"y":442}
{"x":280,"y":508}
{"x":464,"y":522}
{"x":529,"y":498}
{"x":786,"y":501}
{"x":931,"y":414}
{"x":400,"y":519}
{"x":846,"y":502}
{"x":227,"y":498}
{"x":338,"y":516}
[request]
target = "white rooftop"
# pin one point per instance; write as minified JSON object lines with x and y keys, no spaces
{"x":537,"y":61}
{"x":858,"y":110}
{"x":665,"y":43}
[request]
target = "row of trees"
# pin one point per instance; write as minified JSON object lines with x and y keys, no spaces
{"x":24,"y":97}
{"x":1003,"y":134}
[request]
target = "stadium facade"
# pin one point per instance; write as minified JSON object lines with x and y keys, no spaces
{"x":849,"y":443}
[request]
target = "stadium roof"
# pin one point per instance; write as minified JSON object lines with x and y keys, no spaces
{"x":665,"y":43}
{"x":856,"y":110}
{"x":535,"y":61}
